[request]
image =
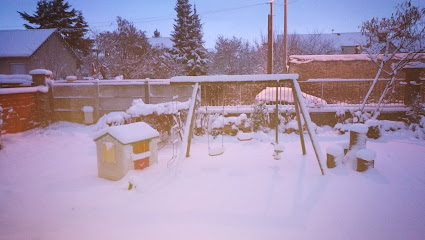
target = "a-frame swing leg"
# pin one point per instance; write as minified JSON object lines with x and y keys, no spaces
{"x":297,"y":111}
{"x":303,"y":113}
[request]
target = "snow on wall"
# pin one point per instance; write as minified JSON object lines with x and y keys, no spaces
{"x":22,"y":79}
{"x":139,"y":108}
{"x":4,"y":91}
{"x":300,"y":59}
{"x":235,"y":78}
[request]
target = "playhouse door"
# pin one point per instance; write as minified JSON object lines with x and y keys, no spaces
{"x":141,"y":163}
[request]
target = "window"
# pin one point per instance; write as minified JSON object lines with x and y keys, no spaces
{"x":140,"y":147}
{"x":17,"y":68}
{"x":108,"y":152}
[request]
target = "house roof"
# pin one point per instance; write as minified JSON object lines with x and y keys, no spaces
{"x":338,"y":39}
{"x":161,"y":42}
{"x":22,"y":43}
{"x":128,"y":133}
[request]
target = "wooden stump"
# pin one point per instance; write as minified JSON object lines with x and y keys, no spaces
{"x":358,"y":136}
{"x":365,"y":159}
{"x":334,"y":154}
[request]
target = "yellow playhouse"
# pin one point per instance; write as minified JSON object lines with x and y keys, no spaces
{"x":125,"y":147}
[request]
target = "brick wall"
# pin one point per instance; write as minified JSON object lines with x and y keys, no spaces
{"x":359,"y":67}
{"x":24,"y":111}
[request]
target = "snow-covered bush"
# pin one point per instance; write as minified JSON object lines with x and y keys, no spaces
{"x":259,"y":117}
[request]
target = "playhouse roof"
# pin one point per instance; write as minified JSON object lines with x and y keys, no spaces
{"x":128,"y":133}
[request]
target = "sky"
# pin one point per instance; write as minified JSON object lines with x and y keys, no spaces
{"x":241,"y":18}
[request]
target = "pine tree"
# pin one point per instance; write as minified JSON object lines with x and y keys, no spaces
{"x":188,"y":47}
{"x":197,"y":57}
{"x":56,"y":14}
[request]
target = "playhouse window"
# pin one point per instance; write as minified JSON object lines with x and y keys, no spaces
{"x":108,"y":152}
{"x":140,"y":147}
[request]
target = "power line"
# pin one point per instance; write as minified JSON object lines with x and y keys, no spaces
{"x":162,"y":18}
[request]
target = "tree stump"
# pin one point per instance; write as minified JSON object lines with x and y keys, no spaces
{"x":358,"y":136}
{"x":334,"y":155}
{"x":365,"y":159}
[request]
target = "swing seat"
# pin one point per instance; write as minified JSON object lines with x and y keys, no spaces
{"x":244,"y":136}
{"x":278,"y":148}
{"x":216,"y":151}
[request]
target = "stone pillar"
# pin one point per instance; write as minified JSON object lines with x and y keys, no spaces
{"x":40,"y":76}
{"x":44,"y":99}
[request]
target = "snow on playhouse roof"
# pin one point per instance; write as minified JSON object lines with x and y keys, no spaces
{"x":235,"y":78}
{"x":22,"y":43}
{"x":128,"y":133}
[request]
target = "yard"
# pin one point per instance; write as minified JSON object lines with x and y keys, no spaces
{"x":49,"y":189}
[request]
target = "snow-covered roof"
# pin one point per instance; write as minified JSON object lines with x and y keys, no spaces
{"x":22,"y":43}
{"x":415,"y":65}
{"x":235,"y":78}
{"x":161,"y":42}
{"x":129,"y":133}
{"x":299,"y":59}
{"x":338,"y":39}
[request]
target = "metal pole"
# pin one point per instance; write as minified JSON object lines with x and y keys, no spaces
{"x":285,"y":40}
{"x":270,"y":41}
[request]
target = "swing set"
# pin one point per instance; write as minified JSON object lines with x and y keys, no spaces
{"x":298,"y":101}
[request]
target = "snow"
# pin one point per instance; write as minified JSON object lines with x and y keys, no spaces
{"x":300,"y":59}
{"x":161,"y":42}
{"x":51,"y":191}
{"x":285,"y":95}
{"x":335,"y":150}
{"x":108,"y":145}
{"x":40,"y":71}
{"x":112,"y":119}
{"x":366,"y":154}
{"x":415,"y":65}
{"x":128,"y":133}
{"x":71,"y":78}
{"x":43,"y":89}
{"x":22,"y":43}
{"x":139,"y":108}
{"x":87,"y":109}
{"x":23,"y":80}
{"x":138,"y":156}
{"x":359,"y":128}
{"x":234,"y":78}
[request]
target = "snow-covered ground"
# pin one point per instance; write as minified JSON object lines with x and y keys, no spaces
{"x":49,"y":189}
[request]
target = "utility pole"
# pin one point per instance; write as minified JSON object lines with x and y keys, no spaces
{"x":285,"y":38}
{"x":270,"y":41}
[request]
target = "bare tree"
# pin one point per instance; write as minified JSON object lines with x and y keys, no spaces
{"x":394,"y":42}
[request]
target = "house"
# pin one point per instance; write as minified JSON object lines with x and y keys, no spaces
{"x":24,"y":50}
{"x":343,"y":43}
{"x":125,"y":147}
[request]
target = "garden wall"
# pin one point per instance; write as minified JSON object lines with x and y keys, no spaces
{"x":25,"y":108}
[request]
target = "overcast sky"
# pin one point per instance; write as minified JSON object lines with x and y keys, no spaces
{"x":241,"y":18}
